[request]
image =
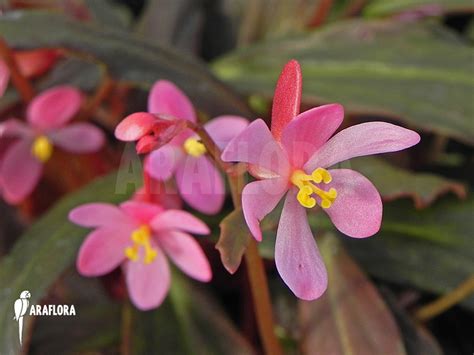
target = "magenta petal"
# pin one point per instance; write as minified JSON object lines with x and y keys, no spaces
{"x":256,"y":146}
{"x":98,"y":214}
{"x":103,"y":250}
{"x":357,"y":209}
{"x":308,"y":131}
{"x":362,"y":139}
{"x":148,"y":284}
{"x":177,"y":219}
{"x":166,"y":98}
{"x":78,"y":138}
{"x":186,"y":254}
{"x":200,"y":184}
{"x":297,"y":257}
{"x":20,"y":171}
{"x":4,"y":76}
{"x":54,"y":107}
{"x":161,"y":163}
{"x":14,"y":128}
{"x":259,"y":198}
{"x":134,"y":126}
{"x":141,"y":212}
{"x":223,"y":129}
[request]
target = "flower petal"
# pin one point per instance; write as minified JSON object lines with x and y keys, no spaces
{"x":4,"y":76}
{"x":186,"y":253}
{"x":166,"y":98}
{"x":98,"y":214}
{"x":103,"y":250}
{"x":148,"y":284}
{"x":141,"y":212}
{"x":200,"y":184}
{"x":181,"y":220}
{"x":135,"y":126}
{"x":256,"y":146}
{"x":14,"y":128}
{"x":259,"y":198}
{"x":79,"y":138}
{"x":308,"y":131}
{"x":54,"y":107}
{"x":362,"y":139}
{"x":223,"y":129}
{"x":357,"y":209}
{"x":20,"y":171}
{"x":161,"y":163}
{"x":297,"y":257}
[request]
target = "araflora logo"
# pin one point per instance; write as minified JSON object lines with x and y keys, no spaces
{"x":21,"y":308}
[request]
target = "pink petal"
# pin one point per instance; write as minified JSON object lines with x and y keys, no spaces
{"x":141,"y":212}
{"x":256,"y":146}
{"x":223,"y":129}
{"x":259,"y":198}
{"x":297,"y":257}
{"x":54,"y":107}
{"x":166,"y":98}
{"x":98,"y":214}
{"x":362,"y":139}
{"x":14,"y":128}
{"x":287,"y":97}
{"x":148,"y":284}
{"x":79,"y":138}
{"x":161,"y":163}
{"x":103,"y":250}
{"x":186,"y":254}
{"x":135,"y":126}
{"x":357,"y":209}
{"x":200,"y":184}
{"x":4,"y":76}
{"x":308,"y":131}
{"x":182,"y":220}
{"x":20,"y":171}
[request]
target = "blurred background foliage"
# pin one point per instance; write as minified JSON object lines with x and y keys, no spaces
{"x":409,"y":62}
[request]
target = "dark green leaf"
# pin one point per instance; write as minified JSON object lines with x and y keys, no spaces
{"x":384,"y":7}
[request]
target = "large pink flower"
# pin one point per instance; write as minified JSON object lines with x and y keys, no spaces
{"x":137,"y":235}
{"x":47,"y":116}
{"x":293,"y":162}
{"x":184,"y":157}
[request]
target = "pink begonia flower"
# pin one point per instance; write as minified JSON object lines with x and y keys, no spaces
{"x":292,"y":162}
{"x":137,"y":236}
{"x":47,"y":126}
{"x":199,"y":182}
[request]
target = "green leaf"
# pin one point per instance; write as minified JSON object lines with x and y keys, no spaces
{"x":386,"y":8}
{"x":380,"y":68}
{"x":351,"y":311}
{"x":128,"y":57}
{"x":393,"y":182}
{"x":47,"y":248}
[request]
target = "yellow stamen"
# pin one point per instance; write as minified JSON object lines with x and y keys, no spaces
{"x":141,"y":238}
{"x":306,"y":184}
{"x":194,"y":147}
{"x":42,"y":148}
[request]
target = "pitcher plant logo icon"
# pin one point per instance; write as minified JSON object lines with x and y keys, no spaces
{"x":21,"y":306}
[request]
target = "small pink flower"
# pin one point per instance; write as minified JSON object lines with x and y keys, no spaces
{"x":48,"y":116}
{"x":184,"y":157}
{"x":137,"y":235}
{"x":292,"y":161}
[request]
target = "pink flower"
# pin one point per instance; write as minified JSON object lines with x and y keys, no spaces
{"x":184,"y":157}
{"x":293,"y":162}
{"x":48,"y":116}
{"x":137,"y":235}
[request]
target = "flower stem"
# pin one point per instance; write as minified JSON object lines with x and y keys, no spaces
{"x":126,"y":328}
{"x":21,"y":83}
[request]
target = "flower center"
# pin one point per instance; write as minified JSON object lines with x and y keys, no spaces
{"x":42,"y":148}
{"x":141,"y":238}
{"x":194,"y":147}
{"x":307,"y":187}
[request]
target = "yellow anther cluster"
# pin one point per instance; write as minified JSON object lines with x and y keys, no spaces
{"x":306,"y":184}
{"x":42,"y":148}
{"x":194,"y":147}
{"x":141,"y":238}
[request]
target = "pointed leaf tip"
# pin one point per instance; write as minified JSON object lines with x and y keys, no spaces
{"x":287,"y":97}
